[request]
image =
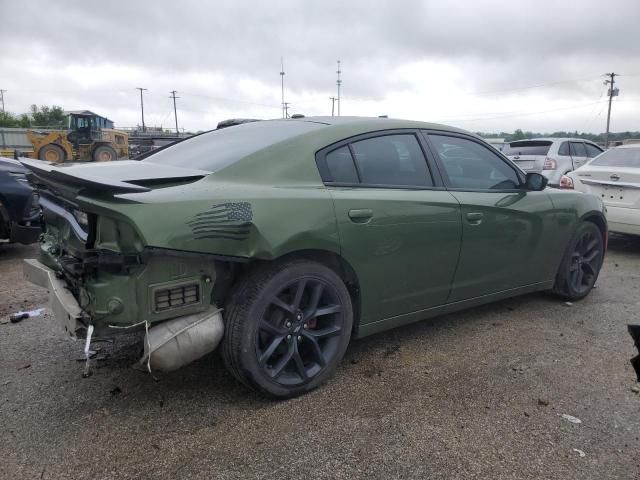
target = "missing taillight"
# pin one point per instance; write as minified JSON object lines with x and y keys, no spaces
{"x":566,"y":182}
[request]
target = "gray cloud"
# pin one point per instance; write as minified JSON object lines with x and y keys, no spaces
{"x":496,"y":45}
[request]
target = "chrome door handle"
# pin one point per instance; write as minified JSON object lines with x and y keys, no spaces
{"x":360,"y":215}
{"x":475,"y":218}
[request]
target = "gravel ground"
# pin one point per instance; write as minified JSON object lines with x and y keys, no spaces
{"x":478,"y":394}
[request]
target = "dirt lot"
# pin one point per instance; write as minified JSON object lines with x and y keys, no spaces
{"x":478,"y":394}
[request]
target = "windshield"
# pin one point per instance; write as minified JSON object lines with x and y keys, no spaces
{"x":618,"y":157}
{"x":217,"y":149}
{"x":528,"y":147}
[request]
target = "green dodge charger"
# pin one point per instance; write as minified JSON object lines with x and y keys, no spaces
{"x":282,"y":240}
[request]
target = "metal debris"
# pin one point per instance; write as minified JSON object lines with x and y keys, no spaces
{"x":580,"y":452}
{"x":571,"y":418}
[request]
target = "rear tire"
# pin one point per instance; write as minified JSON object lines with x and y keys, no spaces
{"x":52,"y":153}
{"x":287,"y":326}
{"x":580,"y":266}
{"x":104,"y":153}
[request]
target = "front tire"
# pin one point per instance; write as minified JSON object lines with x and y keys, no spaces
{"x":581,"y":263}
{"x":104,"y":153}
{"x":287,"y":327}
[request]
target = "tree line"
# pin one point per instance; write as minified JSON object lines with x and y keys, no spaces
{"x":43,"y":116}
{"x":594,"y":137}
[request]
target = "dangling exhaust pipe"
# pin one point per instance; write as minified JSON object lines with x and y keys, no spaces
{"x":178,"y":342}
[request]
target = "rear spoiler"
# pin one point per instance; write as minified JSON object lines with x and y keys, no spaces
{"x":46,"y":171}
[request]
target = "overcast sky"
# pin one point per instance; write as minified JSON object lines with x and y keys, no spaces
{"x":480,"y":65}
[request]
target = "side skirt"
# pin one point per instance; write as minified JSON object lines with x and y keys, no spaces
{"x":407,"y":318}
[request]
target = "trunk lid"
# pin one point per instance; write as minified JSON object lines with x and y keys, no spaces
{"x":123,"y":176}
{"x":529,"y":155}
{"x":617,"y":186}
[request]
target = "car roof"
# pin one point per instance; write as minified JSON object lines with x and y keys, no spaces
{"x":554,"y":139}
{"x":378,"y":123}
{"x":629,"y":145}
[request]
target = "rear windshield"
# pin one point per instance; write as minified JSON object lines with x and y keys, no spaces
{"x":528,"y":147}
{"x":618,"y":157}
{"x":217,"y":149}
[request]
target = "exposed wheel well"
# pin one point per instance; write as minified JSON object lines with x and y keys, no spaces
{"x":229,"y":273}
{"x":600,"y":223}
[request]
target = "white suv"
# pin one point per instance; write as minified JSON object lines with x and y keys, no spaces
{"x":552,"y":157}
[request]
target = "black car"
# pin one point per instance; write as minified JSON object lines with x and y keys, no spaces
{"x":19,"y":206}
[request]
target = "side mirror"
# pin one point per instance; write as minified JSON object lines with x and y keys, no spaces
{"x":536,"y":182}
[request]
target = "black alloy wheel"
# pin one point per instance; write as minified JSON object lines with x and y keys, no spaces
{"x":287,"y":327}
{"x":581,"y":263}
{"x":585,"y":261}
{"x":299,"y":331}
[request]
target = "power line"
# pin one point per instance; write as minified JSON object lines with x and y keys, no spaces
{"x":522,"y":114}
{"x":529,"y":87}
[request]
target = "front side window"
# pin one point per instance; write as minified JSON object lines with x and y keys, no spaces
{"x":592,"y":150}
{"x":469,"y":165}
{"x":577,"y":149}
{"x":393,"y":160}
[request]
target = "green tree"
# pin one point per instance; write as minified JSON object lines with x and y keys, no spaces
{"x":518,"y":135}
{"x":52,"y":117}
{"x":8,"y":119}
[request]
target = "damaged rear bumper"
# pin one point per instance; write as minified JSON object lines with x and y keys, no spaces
{"x":63,"y":305}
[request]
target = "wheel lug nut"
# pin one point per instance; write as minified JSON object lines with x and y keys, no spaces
{"x":288,"y":337}
{"x":305,"y":326}
{"x":299,"y":338}
{"x":288,"y":324}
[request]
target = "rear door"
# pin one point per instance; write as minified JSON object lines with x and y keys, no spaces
{"x":399,"y":227}
{"x":578,"y":154}
{"x":507,"y":231}
{"x":529,"y":155}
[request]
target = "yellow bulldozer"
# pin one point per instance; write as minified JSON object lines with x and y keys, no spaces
{"x":86,"y":140}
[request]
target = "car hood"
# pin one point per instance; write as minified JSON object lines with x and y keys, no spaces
{"x":122,"y":176}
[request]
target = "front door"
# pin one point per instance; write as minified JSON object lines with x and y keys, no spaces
{"x":398,"y":229}
{"x":506,"y":230}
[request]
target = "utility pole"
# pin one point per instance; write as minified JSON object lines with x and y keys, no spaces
{"x":613,"y":92}
{"x":286,"y":105}
{"x":284,"y":108}
{"x":338,"y":83}
{"x":333,"y":104}
{"x":144,"y":128}
{"x":2,"y":98}
{"x":175,"y":113}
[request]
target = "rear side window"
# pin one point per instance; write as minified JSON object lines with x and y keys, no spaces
{"x":341,"y":167}
{"x":217,"y":149}
{"x":619,"y":157}
{"x":528,"y":147}
{"x":592,"y":150}
{"x":471,"y":166}
{"x":564,"y":149}
{"x":393,"y":160}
